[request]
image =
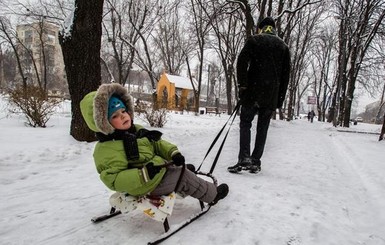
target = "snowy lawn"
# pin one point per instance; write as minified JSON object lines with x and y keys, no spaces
{"x":317,"y":186}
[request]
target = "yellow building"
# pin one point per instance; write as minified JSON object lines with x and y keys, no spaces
{"x":173,"y":92}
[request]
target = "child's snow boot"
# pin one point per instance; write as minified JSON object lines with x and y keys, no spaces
{"x":190,"y":167}
{"x":222,"y":191}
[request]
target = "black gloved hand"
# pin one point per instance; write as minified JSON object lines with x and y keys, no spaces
{"x":178,"y":159}
{"x":152,"y":170}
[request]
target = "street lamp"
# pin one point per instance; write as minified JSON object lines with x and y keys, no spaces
{"x":208,"y":85}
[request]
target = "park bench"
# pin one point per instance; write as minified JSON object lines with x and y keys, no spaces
{"x":214,"y":110}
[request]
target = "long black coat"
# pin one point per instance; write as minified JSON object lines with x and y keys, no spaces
{"x":263,"y":67}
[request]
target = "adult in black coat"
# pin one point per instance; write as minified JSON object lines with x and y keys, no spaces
{"x":311,"y":116}
{"x":263,"y":70}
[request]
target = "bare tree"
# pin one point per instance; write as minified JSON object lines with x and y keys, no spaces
{"x":32,"y":52}
{"x":248,"y":20}
{"x":143,"y":17}
{"x":322,"y":51}
{"x":383,"y":127}
{"x":37,"y":55}
{"x":300,"y":46}
{"x":121,"y":37}
{"x":359,"y":24}
{"x":227,"y":42}
{"x":173,"y":40}
{"x":9,"y":35}
{"x":8,"y":66}
{"x":374,"y":77}
{"x":200,"y":27}
{"x":381,"y":105}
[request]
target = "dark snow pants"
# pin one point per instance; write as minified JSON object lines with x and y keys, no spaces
{"x":190,"y":184}
{"x":247,"y":116}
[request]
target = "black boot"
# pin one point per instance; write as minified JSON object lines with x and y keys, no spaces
{"x":190,"y":167}
{"x":235,"y":169}
{"x":255,"y":167}
{"x":242,"y":164}
{"x":222,"y":191}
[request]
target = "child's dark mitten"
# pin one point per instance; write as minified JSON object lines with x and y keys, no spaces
{"x":152,"y":170}
{"x":178,"y":159}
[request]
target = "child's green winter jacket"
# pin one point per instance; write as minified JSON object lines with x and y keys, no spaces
{"x":116,"y":172}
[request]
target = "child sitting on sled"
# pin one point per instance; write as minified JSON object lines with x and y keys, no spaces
{"x":133,"y":160}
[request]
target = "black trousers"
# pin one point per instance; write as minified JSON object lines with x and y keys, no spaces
{"x":247,"y":116}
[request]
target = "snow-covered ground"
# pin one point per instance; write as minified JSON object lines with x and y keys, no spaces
{"x":317,"y":186}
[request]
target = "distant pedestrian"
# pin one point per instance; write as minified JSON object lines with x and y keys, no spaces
{"x":310,"y":116}
{"x":263,"y":70}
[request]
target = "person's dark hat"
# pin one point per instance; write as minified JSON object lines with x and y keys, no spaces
{"x":268,"y":21}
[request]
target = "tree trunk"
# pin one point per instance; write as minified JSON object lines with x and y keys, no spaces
{"x":332,"y":108}
{"x":81,"y":54}
{"x":380,"y":106}
{"x":290,"y":107}
{"x":382,"y":130}
{"x":341,"y":69}
{"x":228,"y":91}
{"x":349,"y":100}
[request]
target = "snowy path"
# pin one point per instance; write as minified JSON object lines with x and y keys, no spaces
{"x":317,"y":186}
{"x":304,"y":192}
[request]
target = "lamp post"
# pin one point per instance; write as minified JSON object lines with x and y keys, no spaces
{"x":208,"y":85}
{"x":1,"y":67}
{"x":219,"y":93}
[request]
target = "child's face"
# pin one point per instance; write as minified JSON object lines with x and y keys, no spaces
{"x":121,"y":119}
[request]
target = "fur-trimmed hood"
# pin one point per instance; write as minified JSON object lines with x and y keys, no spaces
{"x":94,"y":106}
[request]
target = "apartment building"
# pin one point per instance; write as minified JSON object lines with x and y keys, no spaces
{"x":41,"y":55}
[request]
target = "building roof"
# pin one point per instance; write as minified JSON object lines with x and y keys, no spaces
{"x":180,"y":82}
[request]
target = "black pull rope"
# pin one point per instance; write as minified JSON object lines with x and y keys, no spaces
{"x":233,"y":115}
{"x":220,"y":148}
